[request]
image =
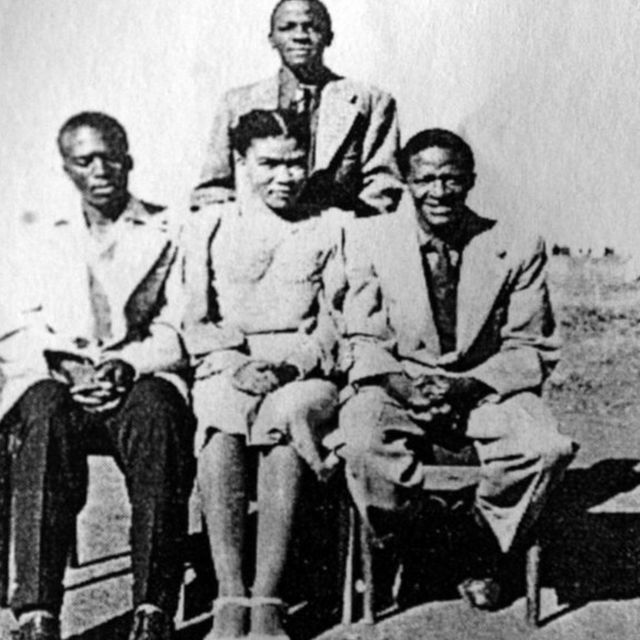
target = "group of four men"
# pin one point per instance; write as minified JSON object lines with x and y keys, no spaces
{"x":275,"y":305}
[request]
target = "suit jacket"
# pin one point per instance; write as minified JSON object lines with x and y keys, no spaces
{"x":505,"y":332}
{"x":47,"y":303}
{"x":356,"y":144}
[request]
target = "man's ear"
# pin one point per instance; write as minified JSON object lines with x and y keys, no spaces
{"x":471,"y":181}
{"x":328,"y":38}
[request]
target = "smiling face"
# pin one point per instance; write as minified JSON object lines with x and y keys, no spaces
{"x":300,"y":34}
{"x":439,"y":183}
{"x":276,"y":170}
{"x":98,"y":166}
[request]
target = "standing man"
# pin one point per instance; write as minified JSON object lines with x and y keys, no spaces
{"x":354,"y":128}
{"x":452,"y":337}
{"x":93,"y":359}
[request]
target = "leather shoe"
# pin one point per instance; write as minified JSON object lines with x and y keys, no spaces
{"x":38,"y":625}
{"x":481,"y":593}
{"x":151,"y":624}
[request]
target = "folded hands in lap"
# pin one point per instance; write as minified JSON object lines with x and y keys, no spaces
{"x":96,"y":388}
{"x":434,"y":395}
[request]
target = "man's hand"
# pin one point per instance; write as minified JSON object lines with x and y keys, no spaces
{"x":120,"y":373}
{"x":257,"y":377}
{"x":467,"y":391}
{"x":68,"y":368}
{"x":399,"y":386}
{"x":111,"y":381}
{"x":95,"y":397}
{"x":448,"y":396}
{"x":286,"y":373}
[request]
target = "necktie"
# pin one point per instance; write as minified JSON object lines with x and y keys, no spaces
{"x":306,"y":107}
{"x":305,"y":101}
{"x":442,"y":280}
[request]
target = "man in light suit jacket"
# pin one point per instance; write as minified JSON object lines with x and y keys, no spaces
{"x":354,"y":127}
{"x":92,"y":360}
{"x":452,"y":336}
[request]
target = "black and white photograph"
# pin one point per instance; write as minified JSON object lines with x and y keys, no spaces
{"x":320,"y":320}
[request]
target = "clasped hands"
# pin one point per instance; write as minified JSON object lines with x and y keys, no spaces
{"x":434,"y":395}
{"x":96,"y":387}
{"x":259,"y":377}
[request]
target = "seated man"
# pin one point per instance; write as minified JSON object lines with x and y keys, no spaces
{"x":264,"y":276}
{"x":354,"y":127}
{"x":452,"y":336}
{"x":92,"y":361}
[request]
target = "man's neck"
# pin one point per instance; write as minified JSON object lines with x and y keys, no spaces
{"x":453,"y":234}
{"x":107,"y":215}
{"x":312,"y":75}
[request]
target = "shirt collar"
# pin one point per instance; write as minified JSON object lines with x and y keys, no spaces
{"x":456,"y":239}
{"x":289,"y":82}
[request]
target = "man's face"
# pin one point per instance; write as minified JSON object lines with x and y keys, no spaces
{"x":99,"y":167}
{"x":439,"y":184}
{"x":276,"y":169}
{"x":299,"y":34}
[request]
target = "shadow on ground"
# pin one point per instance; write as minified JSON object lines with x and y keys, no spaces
{"x":592,"y":554}
{"x":589,"y":555}
{"x":115,"y":629}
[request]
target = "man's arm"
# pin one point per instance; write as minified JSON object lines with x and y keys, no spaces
{"x":530,"y":343}
{"x":217,"y":181}
{"x":381,"y":182}
{"x":369,"y":341}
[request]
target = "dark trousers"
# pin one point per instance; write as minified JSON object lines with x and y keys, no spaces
{"x":149,"y":435}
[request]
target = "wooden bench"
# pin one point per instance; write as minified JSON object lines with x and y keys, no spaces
{"x":359,"y":591}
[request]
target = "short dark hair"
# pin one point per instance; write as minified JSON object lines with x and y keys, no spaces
{"x":317,"y":5}
{"x":440,"y":138}
{"x":261,"y":123}
{"x":110,"y":128}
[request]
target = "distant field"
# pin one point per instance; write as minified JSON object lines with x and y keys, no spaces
{"x":595,"y":390}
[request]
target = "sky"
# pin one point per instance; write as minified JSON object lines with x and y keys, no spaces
{"x":546,"y":92}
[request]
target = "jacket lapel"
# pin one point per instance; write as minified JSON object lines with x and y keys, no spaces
{"x":482,"y":275}
{"x":138,"y":248}
{"x":413,"y":317}
{"x":337,"y":113}
{"x":264,"y":94}
{"x":65,"y":280}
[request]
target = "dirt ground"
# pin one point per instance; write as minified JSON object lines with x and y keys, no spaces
{"x":591,"y":532}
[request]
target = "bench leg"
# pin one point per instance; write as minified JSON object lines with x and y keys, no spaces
{"x":533,"y":583}
{"x":347,"y":591}
{"x":367,"y":574}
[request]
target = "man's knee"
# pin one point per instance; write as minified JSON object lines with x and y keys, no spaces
{"x":155,"y":394}
{"x":44,"y":398}
{"x":157,"y":401}
{"x":541,"y":437}
{"x":157,"y":412}
{"x":556,"y":450}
